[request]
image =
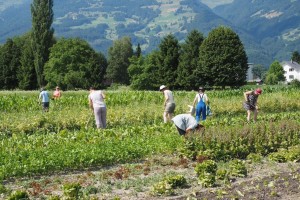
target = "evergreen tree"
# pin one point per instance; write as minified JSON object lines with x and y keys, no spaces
{"x":296,"y":57}
{"x":9,"y":63}
{"x":168,"y":60}
{"x":275,"y":73}
{"x":42,"y":35}
{"x":118,"y":61}
{"x":138,"y":51}
{"x":26,"y":72}
{"x":189,"y":57}
{"x":143,"y":72}
{"x":223,"y":60}
{"x":74,"y":64}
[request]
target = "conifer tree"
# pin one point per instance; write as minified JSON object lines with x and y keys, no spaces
{"x":42,"y":35}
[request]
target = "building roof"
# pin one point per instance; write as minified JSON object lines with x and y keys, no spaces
{"x":293,"y":64}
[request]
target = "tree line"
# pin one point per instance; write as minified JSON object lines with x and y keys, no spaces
{"x":37,"y":59}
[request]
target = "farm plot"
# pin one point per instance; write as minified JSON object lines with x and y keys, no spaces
{"x":57,"y":155}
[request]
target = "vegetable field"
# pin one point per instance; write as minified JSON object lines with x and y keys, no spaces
{"x":138,"y":156}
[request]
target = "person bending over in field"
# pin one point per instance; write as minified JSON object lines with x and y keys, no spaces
{"x":169,"y":103}
{"x":97,"y":104}
{"x":250,"y":103}
{"x":186,"y":123}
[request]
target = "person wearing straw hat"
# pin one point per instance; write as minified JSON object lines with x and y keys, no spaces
{"x":250,"y":103}
{"x":98,"y":106}
{"x":169,"y":103}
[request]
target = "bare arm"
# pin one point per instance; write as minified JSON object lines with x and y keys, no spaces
{"x":246,"y":95}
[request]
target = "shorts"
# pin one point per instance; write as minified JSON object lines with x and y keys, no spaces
{"x":45,"y":105}
{"x":170,"y":108}
{"x":247,"y":106}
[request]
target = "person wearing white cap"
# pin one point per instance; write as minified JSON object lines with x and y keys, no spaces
{"x":169,"y":103}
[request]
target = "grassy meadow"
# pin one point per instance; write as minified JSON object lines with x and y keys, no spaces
{"x":65,"y":139}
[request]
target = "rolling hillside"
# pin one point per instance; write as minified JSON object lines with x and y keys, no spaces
{"x":100,"y":22}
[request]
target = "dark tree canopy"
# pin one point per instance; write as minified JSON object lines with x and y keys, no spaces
{"x":74,"y":64}
{"x":189,"y":56}
{"x":42,"y":35}
{"x":168,"y":60}
{"x":118,"y":61}
{"x":296,"y":57}
{"x":223,"y":60}
{"x":10,"y":54}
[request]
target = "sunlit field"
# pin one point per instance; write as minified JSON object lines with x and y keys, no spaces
{"x":65,"y":138}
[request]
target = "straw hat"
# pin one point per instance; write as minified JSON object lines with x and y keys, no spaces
{"x":162,"y":87}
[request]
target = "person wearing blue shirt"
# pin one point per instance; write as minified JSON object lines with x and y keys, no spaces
{"x":44,"y":98}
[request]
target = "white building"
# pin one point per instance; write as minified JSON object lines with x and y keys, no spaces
{"x":291,"y":70}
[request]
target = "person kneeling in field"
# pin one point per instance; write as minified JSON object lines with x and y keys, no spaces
{"x":186,"y":123}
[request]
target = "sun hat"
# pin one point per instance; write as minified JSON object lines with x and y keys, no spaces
{"x":162,"y":87}
{"x":258,"y":91}
{"x":192,"y":110}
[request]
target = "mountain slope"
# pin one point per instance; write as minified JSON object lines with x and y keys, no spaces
{"x":100,"y":22}
{"x":274,"y":24}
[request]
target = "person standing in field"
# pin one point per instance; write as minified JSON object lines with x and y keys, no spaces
{"x":56,"y":93}
{"x":169,"y":103}
{"x":44,"y":98}
{"x":250,"y":103}
{"x":97,"y":104}
{"x":202,"y":101}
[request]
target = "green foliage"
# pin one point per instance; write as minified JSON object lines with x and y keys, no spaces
{"x":162,"y":188}
{"x":10,"y":54}
{"x":295,"y":83}
{"x":168,"y":60}
{"x":275,"y":73}
{"x":18,"y":195}
{"x":42,"y":35}
{"x":208,"y":166}
{"x":222,"y":60}
{"x":143,"y":72}
{"x":167,"y":186}
{"x":296,"y":57}
{"x":74,"y":64}
{"x":26,"y":72}
{"x":188,"y":61}
{"x":177,"y":181}
{"x":237,"y":168}
{"x":72,"y":190}
{"x":2,"y":189}
{"x":118,"y":61}
{"x":206,"y":172}
{"x":254,"y":157}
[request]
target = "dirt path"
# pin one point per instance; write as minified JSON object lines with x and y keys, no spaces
{"x":265,"y":181}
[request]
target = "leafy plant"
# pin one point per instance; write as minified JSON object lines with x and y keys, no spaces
{"x":72,"y":190}
{"x":18,"y":195}
{"x":237,"y":168}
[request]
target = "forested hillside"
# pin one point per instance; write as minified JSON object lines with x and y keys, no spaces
{"x":147,"y":21}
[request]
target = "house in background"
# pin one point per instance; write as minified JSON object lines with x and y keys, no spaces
{"x":291,"y":70}
{"x":250,"y":76}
